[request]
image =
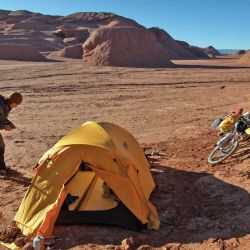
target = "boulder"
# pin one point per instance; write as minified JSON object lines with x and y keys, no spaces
{"x":125,"y":47}
{"x":128,"y":244}
{"x":74,"y":51}
{"x":20,"y":53}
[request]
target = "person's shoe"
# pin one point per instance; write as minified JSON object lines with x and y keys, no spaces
{"x":3,"y":167}
{"x":3,"y":173}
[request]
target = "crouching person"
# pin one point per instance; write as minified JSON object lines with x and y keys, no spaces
{"x":6,"y":105}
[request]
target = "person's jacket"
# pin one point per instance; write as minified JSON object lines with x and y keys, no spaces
{"x":4,"y":112}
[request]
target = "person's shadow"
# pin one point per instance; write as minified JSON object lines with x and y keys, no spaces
{"x":193,"y":207}
{"x":17,"y":177}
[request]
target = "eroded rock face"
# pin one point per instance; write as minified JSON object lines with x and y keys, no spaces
{"x":125,"y":47}
{"x":245,"y":59}
{"x":20,"y":52}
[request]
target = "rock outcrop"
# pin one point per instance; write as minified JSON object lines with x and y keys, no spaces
{"x":211,"y":51}
{"x":126,"y":47}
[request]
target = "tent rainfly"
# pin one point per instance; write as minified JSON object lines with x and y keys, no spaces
{"x":97,"y":173}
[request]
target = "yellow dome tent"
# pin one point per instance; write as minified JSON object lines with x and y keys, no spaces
{"x":96,"y":168}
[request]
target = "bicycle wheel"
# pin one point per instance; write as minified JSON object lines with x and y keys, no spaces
{"x":220,"y":154}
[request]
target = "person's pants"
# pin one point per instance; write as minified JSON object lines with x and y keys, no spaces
{"x":2,"y":149}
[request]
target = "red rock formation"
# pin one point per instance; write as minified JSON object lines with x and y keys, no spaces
{"x":54,"y":33}
{"x":125,"y":46}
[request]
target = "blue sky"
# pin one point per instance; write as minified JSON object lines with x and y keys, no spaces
{"x":224,"y":24}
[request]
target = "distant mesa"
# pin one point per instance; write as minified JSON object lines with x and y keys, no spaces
{"x":245,"y":59}
{"x":231,"y":52}
{"x":125,"y":47}
{"x":239,"y":53}
{"x":20,"y":52}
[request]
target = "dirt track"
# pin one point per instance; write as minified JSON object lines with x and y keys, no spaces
{"x":200,"y":207}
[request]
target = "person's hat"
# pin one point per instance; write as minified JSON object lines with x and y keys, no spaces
{"x":15,"y":97}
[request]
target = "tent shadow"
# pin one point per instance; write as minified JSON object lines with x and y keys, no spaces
{"x":193,"y":207}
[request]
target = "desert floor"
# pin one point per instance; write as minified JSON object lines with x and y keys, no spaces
{"x":169,"y":109}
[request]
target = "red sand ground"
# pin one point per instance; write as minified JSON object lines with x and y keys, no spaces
{"x":200,"y":206}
